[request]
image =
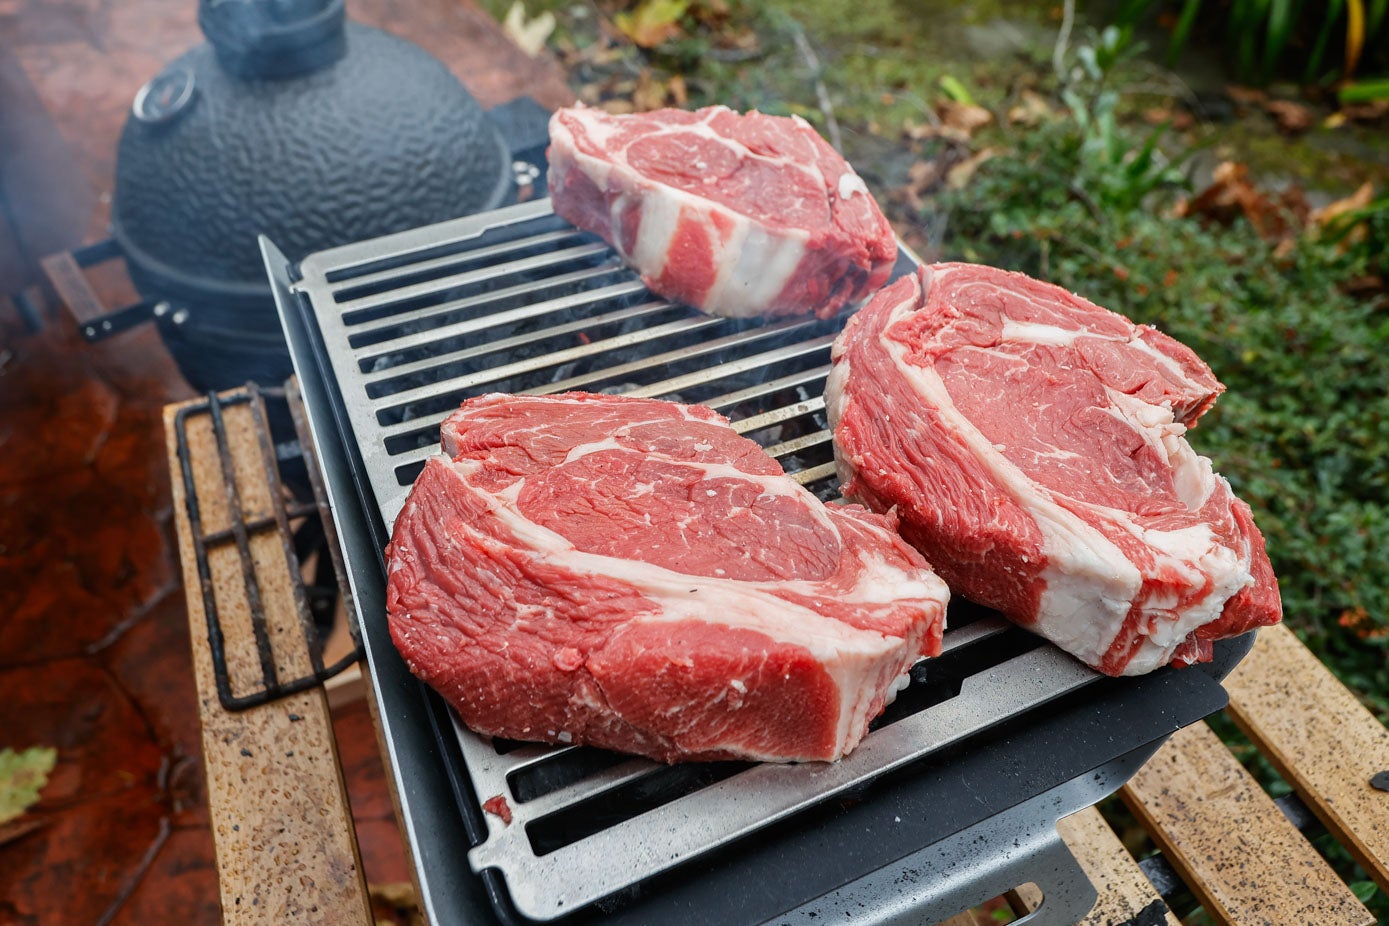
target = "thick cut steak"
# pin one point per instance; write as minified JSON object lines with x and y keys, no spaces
{"x":738,"y":215}
{"x":633,"y":574}
{"x":1034,"y":446}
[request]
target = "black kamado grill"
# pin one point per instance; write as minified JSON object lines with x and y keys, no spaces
{"x":294,"y":122}
{"x":952,"y":798}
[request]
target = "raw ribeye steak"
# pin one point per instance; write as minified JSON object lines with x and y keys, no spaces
{"x":735,"y":214}
{"x":633,"y":574}
{"x":1034,"y":446}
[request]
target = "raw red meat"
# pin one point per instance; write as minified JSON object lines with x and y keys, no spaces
{"x":1033,"y":445}
{"x":738,"y":215}
{"x":633,"y":574}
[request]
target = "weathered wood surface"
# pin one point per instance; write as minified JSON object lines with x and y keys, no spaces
{"x":1125,"y":895}
{"x":1321,"y":740}
{"x":1230,"y":842}
{"x":286,"y":849}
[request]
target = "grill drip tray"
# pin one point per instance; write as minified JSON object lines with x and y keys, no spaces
{"x":388,"y":336}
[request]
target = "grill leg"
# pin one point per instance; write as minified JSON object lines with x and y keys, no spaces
{"x":985,"y":861}
{"x":1067,"y":894}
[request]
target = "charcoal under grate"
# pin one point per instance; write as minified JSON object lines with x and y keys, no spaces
{"x":402,"y":329}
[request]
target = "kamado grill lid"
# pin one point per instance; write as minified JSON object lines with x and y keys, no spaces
{"x":295,"y":123}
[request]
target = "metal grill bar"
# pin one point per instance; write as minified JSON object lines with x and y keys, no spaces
{"x":496,"y":767}
{"x":475,"y":255}
{"x":814,"y":473}
{"x":503,"y":346}
{"x":807,"y":348}
{"x":592,"y":786}
{"x":473,"y":278}
{"x":778,"y":415}
{"x":666,"y":358}
{"x":794,"y":381}
{"x":786,"y":448}
{"x":397,"y":328}
{"x":549,"y":885}
{"x":597,"y":348}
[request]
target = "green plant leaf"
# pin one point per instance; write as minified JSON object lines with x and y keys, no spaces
{"x":1182,"y":31}
{"x":1245,"y":19}
{"x":1131,"y":11}
{"x":1355,"y":34}
{"x":1328,"y":23}
{"x":956,"y":90}
{"x":1364,"y":891}
{"x":1365,"y":91}
{"x":652,"y":22}
{"x":1374,"y":16}
{"x":1090,"y":61}
{"x":1281,"y":16}
{"x":22,"y":777}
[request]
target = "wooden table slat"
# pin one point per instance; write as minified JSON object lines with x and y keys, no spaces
{"x":1320,"y":738}
{"x":1126,"y":895}
{"x":1233,"y":847}
{"x":281,"y":826}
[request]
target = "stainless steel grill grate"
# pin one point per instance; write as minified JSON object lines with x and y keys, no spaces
{"x":525,"y":303}
{"x":389,"y":335}
{"x":535,"y":306}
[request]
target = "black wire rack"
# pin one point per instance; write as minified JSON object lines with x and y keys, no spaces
{"x":291,"y":518}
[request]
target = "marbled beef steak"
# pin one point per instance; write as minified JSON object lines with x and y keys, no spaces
{"x":633,"y":574}
{"x":1034,"y":446}
{"x":736,"y":214}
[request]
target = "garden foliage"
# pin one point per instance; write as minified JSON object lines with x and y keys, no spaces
{"x":1297,"y":329}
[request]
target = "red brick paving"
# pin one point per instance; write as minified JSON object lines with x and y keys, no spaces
{"x":94,"y":650}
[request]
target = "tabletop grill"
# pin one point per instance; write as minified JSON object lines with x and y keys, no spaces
{"x":951,"y":799}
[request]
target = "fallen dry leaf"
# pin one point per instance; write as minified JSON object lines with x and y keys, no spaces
{"x":22,"y":777}
{"x":1292,"y":118}
{"x":1366,"y":112}
{"x":1364,"y":287}
{"x":959,"y":175}
{"x":712,"y":13}
{"x":528,"y":34}
{"x":395,"y":904}
{"x":1031,"y":109}
{"x":677,"y":91}
{"x":922,"y":176}
{"x":1360,"y":199}
{"x":652,"y":22}
{"x":1232,"y":195}
{"x":1246,"y":95}
{"x":654,"y":93}
{"x":962,"y":118}
{"x":1332,"y":214}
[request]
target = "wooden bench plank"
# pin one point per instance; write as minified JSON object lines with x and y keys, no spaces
{"x":1320,"y":738}
{"x":281,"y":826}
{"x":1241,"y":857}
{"x":1125,"y":892}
